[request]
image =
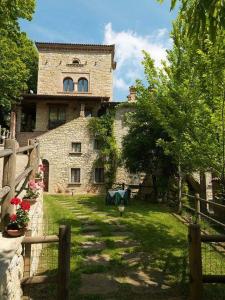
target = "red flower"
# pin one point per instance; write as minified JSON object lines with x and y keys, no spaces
{"x":13,"y":217}
{"x":25,"y":205}
{"x":15,"y":201}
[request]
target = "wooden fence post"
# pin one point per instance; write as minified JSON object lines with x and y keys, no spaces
{"x":33,"y":160}
{"x":8,"y":179}
{"x":197,"y":208}
{"x":27,"y":256}
{"x":64,"y":262}
{"x":195,"y":262}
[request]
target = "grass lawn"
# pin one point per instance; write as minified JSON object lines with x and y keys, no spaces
{"x":142,"y":255}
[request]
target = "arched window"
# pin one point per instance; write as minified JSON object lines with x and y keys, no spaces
{"x":68,"y":85}
{"x":76,"y":61}
{"x":82,"y":85}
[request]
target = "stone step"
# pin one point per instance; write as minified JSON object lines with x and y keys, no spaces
{"x":93,"y":245}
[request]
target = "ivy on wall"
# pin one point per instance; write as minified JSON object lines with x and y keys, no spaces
{"x":108,"y":156}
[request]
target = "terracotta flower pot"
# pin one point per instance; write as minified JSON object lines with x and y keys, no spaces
{"x":31,"y":200}
{"x":15,"y":232}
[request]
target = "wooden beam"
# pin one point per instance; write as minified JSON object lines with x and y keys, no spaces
{"x":5,"y":152}
{"x":195,"y":262}
{"x":23,"y":175}
{"x":40,"y":239}
{"x":213,"y":278}
{"x":4,"y":191}
{"x":9,"y":173}
{"x":38,"y":280}
{"x":213,"y":238}
{"x":25,"y":148}
{"x":64,"y":262}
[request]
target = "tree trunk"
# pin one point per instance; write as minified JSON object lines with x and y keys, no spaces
{"x":179,"y":189}
{"x":155,"y":189}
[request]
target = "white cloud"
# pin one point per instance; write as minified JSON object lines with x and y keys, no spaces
{"x":120,"y":84}
{"x":129,"y":52}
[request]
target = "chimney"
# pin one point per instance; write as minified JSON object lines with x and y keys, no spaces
{"x":132,"y":96}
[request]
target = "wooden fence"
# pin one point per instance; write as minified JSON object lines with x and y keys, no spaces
{"x":9,"y":179}
{"x":62,"y":278}
{"x":197,"y":278}
{"x":196,"y":209}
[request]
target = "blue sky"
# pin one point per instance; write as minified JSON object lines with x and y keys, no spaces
{"x":131,"y":25}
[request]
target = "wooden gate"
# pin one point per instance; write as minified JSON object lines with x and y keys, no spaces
{"x":63,"y":273}
{"x":197,"y":278}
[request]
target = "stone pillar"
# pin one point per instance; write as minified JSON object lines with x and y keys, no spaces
{"x":82,"y":110}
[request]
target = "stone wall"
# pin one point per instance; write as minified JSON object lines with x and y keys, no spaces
{"x":56,"y":148}
{"x":55,"y":65}
{"x":120,"y":130}
{"x":11,"y":259}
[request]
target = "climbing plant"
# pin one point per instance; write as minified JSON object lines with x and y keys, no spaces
{"x":108,"y":155}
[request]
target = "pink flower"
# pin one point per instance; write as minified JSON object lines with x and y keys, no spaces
{"x":41,"y":184}
{"x":15,"y":201}
{"x":32,"y":185}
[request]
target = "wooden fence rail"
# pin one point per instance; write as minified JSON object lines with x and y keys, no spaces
{"x":9,"y":179}
{"x":63,"y":276}
{"x":197,"y":278}
{"x":197,"y":209}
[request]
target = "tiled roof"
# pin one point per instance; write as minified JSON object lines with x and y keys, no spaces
{"x":68,"y":46}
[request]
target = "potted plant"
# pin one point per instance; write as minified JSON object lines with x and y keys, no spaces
{"x":19,"y":220}
{"x":40,"y":174}
{"x":32,"y":191}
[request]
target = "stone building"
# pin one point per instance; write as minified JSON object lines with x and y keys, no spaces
{"x":75,"y":82}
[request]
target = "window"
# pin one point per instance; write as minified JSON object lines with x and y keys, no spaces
{"x":75,"y":175}
{"x":99,"y":175}
{"x":76,"y":147}
{"x":68,"y":85}
{"x":82,"y":85}
{"x":76,"y":61}
{"x":88,"y":112}
{"x":57,"y":116}
{"x":97,"y":144}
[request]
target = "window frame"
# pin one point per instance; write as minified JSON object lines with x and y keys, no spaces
{"x":60,"y":108}
{"x":68,"y":90}
{"x":71,"y":176}
{"x":73,"y":150}
{"x":78,"y":85}
{"x":102,"y":176}
{"x":98,"y":144}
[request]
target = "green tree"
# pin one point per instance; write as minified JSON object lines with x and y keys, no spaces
{"x":140,"y":151}
{"x":201,"y":17}
{"x":18,"y":64}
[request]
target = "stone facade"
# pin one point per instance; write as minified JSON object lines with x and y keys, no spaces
{"x":57,"y":62}
{"x":95,"y":63}
{"x":56,"y":148}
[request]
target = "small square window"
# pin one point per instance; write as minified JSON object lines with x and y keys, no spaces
{"x":99,"y":175}
{"x":75,"y":175}
{"x":97,"y":144}
{"x":76,"y":147}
